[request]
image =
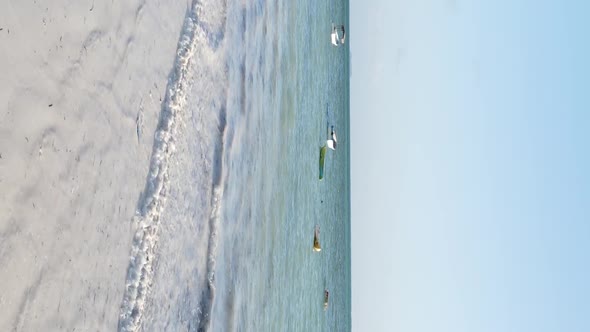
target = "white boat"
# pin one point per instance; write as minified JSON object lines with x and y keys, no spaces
{"x":338,"y":35}
{"x":332,"y":142}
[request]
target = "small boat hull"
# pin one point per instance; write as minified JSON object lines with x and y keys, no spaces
{"x":323,"y":150}
{"x":316,"y":239}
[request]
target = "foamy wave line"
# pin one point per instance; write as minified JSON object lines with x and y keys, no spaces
{"x":208,"y":293}
{"x":140,"y":271}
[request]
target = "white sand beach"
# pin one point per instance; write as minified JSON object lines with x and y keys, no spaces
{"x":81,"y":89}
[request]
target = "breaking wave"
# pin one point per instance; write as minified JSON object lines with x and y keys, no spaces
{"x":195,"y":34}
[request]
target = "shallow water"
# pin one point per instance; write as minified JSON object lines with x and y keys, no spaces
{"x":229,"y":246}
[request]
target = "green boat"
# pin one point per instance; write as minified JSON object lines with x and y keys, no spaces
{"x":323,"y":150}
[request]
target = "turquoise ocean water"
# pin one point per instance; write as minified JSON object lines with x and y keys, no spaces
{"x":226,"y":222}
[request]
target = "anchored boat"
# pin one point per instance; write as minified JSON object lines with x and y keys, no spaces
{"x":323,"y":150}
{"x":316,"y":239}
{"x":338,"y":35}
{"x":332,"y":142}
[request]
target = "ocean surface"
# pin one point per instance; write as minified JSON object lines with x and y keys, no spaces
{"x":226,"y":221}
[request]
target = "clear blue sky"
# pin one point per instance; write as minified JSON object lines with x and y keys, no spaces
{"x":470,"y":148}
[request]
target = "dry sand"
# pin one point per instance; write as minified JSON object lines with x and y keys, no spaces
{"x":81,"y":88}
